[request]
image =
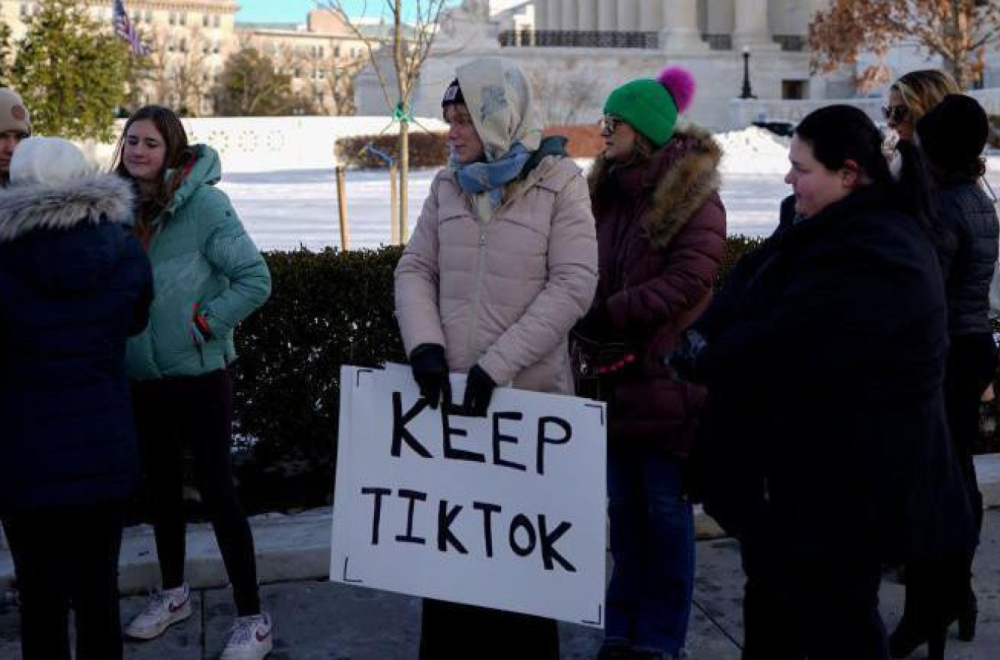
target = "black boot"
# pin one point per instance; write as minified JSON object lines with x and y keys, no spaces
{"x":935,"y":644}
{"x":615,"y":648}
{"x":905,"y":639}
{"x":967,"y":618}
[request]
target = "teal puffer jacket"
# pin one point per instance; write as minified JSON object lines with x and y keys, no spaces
{"x":202,"y":260}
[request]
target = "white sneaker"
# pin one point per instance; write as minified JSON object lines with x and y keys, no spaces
{"x":251,"y":638}
{"x":164,"y":609}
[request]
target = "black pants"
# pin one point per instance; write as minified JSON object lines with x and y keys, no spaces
{"x":821,"y":610}
{"x":194,"y":412}
{"x":64,"y":559}
{"x":451,"y":630}
{"x":936,"y":591}
{"x":972,"y":362}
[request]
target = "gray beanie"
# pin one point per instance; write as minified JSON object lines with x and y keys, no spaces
{"x":13,"y":114}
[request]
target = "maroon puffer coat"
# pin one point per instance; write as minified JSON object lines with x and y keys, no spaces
{"x":661,"y":231}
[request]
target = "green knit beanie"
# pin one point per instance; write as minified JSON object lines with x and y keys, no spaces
{"x":651,"y":106}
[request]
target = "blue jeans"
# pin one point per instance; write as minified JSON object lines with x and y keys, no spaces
{"x":652,"y":544}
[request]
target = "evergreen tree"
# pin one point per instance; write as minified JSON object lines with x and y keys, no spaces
{"x":71,"y":71}
{"x":250,"y":85}
{"x":5,"y":55}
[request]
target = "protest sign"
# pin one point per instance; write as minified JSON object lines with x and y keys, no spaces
{"x":506,"y":511}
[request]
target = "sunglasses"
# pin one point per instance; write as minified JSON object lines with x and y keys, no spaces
{"x":895,"y":113}
{"x":609,"y":124}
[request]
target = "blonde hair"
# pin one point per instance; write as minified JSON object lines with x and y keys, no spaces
{"x":922,"y":90}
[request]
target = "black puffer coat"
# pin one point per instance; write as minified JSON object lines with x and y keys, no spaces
{"x":967,"y":260}
{"x":825,"y":418}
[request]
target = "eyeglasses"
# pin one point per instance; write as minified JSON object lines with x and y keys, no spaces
{"x":609,"y":124}
{"x":895,"y":113}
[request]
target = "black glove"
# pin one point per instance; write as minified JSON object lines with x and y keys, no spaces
{"x":686,"y":359}
{"x":430,"y":370}
{"x":478,"y":392}
{"x":596,"y":327}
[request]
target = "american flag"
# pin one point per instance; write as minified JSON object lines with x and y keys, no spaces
{"x":125,"y":29}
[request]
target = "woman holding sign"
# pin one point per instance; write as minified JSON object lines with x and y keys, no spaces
{"x":661,"y":231}
{"x":503,"y":262}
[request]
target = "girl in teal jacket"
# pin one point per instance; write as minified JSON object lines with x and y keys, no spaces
{"x":208,"y":276}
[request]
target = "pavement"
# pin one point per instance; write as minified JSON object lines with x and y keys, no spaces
{"x":317,"y":619}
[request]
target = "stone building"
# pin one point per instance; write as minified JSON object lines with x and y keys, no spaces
{"x":576,"y":51}
{"x":322,"y":56}
{"x":191,"y":39}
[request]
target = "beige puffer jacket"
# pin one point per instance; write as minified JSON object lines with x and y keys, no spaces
{"x":502,"y":287}
{"x":504,"y":292}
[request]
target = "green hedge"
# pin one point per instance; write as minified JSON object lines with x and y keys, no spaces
{"x":426,"y":150}
{"x":327,"y":309}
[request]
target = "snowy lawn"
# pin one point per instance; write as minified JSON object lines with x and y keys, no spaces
{"x":285,"y":209}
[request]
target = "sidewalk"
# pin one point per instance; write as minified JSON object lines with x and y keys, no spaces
{"x":317,"y":619}
{"x":321,"y":620}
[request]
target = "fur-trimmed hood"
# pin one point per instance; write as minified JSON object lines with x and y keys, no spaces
{"x":68,"y":237}
{"x":683,"y":175}
{"x":92,"y":199}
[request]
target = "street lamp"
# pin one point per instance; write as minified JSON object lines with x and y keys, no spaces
{"x":747,"y":93}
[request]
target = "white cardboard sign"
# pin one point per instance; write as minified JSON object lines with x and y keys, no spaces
{"x":506,"y":511}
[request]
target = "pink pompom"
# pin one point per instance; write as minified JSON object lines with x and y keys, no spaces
{"x":681,"y":85}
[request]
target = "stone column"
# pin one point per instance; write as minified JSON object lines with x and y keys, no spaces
{"x":554,"y":12}
{"x":541,"y":14}
{"x":587,"y":18}
{"x":628,"y":15}
{"x":680,"y":32}
{"x":607,"y":16}
{"x":752,"y":27}
{"x":651,"y":16}
{"x":569,"y":13}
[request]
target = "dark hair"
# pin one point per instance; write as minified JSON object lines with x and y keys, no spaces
{"x":838,"y":133}
{"x":952,"y":136}
{"x":178,"y":154}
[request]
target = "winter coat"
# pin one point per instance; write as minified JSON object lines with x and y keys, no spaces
{"x":201,"y":256}
{"x":825,"y":421}
{"x":503,"y":293}
{"x":661,"y":233}
{"x":74,"y":284}
{"x":968,"y":255}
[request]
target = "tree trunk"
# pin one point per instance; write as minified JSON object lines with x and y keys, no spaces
{"x":403,"y":87}
{"x":959,"y":69}
{"x":404,"y":175}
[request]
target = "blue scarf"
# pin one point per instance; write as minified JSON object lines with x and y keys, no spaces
{"x":476,"y":178}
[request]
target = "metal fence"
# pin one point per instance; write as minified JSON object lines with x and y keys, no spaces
{"x":578,"y":39}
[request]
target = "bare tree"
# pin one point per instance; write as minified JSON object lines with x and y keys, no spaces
{"x":410,"y":44}
{"x":191,"y":78}
{"x":337,"y":79}
{"x":572,"y":98}
{"x":960,"y":31}
{"x":177,"y":73}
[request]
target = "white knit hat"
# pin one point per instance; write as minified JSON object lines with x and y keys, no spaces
{"x":47,"y":160}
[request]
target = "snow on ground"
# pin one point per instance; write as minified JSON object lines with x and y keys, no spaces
{"x":753,"y":150}
{"x":287,"y":209}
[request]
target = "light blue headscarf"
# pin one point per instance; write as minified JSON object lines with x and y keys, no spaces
{"x":480,"y":177}
{"x":500,"y":102}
